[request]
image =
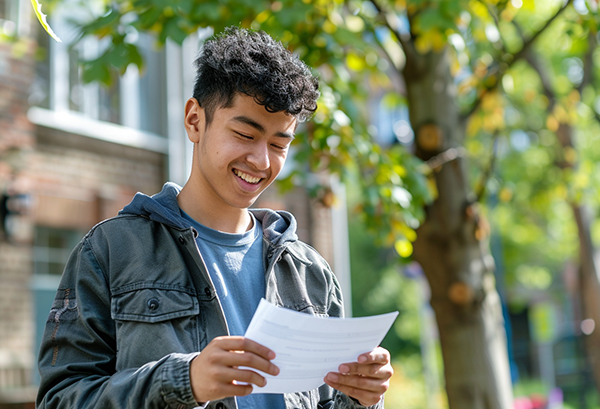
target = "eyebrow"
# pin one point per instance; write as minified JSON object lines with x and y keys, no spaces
{"x":249,"y":121}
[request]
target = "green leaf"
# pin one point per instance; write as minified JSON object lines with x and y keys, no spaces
{"x":104,"y":25}
{"x":97,"y":70}
{"x":173,"y":30}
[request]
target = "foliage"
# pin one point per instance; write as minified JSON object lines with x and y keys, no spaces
{"x":358,"y":48}
{"x":341,"y":41}
{"x":408,"y":389}
{"x":379,"y":286}
{"x":537,"y":177}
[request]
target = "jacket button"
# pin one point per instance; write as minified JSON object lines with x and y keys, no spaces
{"x":207,"y":291}
{"x":153,"y":304}
{"x":181,"y":240}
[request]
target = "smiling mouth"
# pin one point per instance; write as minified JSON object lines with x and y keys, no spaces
{"x":246,"y":177}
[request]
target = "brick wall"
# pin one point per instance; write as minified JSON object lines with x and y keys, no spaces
{"x":73,"y":182}
{"x":16,"y":142}
{"x":16,"y":324}
{"x":312,"y":215}
{"x":79,"y":181}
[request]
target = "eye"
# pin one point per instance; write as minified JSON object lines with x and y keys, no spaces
{"x":282,"y":148}
{"x":244,"y":135}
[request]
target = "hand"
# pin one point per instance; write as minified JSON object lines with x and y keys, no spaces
{"x":215,"y":373}
{"x":365,"y":380}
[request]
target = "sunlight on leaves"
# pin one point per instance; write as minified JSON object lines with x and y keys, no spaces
{"x":354,"y":23}
{"x":404,"y":248}
{"x":534,"y":277}
{"x":355,"y":62}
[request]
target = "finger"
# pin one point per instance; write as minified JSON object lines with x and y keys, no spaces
{"x":239,"y":351}
{"x":242,"y":377}
{"x":358,"y":382}
{"x":367,"y":391}
{"x":219,"y":382}
{"x":378,"y":355}
{"x":215,"y":373}
{"x":233,"y":389}
{"x":237,"y":343}
{"x":378,"y":371}
{"x":236,"y":359}
{"x":369,"y":363}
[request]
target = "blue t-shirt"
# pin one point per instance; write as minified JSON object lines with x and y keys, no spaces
{"x":235,"y":265}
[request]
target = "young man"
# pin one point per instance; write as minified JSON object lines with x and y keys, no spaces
{"x":153,"y":303}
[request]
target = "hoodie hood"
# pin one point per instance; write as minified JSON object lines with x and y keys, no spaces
{"x":279,"y":227}
{"x":161,"y":207}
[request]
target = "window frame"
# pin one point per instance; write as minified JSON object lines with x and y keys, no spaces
{"x":58,"y":113}
{"x":16,"y":21}
{"x":44,"y":254}
{"x":178,"y":78}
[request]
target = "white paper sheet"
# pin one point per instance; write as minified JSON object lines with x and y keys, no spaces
{"x":308,"y":347}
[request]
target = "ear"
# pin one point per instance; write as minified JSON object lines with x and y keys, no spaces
{"x":195,"y":120}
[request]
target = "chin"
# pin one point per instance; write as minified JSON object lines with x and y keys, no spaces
{"x":244,"y":204}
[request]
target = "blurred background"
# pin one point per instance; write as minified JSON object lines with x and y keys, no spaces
{"x":450,"y":173}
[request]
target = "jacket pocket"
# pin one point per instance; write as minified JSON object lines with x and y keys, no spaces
{"x":152,"y":321}
{"x":153,"y":304}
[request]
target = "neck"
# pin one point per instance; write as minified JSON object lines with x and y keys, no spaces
{"x":230,"y":220}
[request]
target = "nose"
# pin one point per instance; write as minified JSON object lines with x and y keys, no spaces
{"x":259,"y":156}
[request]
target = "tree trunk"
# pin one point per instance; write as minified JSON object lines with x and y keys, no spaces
{"x":588,"y":271}
{"x":590,"y":290}
{"x":452,"y":247}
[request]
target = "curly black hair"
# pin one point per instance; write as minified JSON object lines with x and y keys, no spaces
{"x":251,"y":62}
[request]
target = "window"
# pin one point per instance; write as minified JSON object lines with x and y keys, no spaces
{"x":51,"y":249}
{"x":135,"y":100}
{"x":40,"y":89}
{"x":133,"y":112}
{"x":9,"y":16}
{"x":5,"y":9}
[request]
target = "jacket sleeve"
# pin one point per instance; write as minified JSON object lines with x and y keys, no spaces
{"x":332,"y":398}
{"x":77,"y":359}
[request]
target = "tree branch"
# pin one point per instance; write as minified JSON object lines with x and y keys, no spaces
{"x":588,"y":61}
{"x":436,"y":162}
{"x":482,"y":186}
{"x":533,"y":60}
{"x":588,"y":68}
{"x":389,"y":19}
{"x":494,"y":16}
{"x":564,"y":131}
{"x":535,"y":63}
{"x":382,"y":47}
{"x":513,"y":59}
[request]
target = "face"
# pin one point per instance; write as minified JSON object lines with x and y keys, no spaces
{"x":240,"y":153}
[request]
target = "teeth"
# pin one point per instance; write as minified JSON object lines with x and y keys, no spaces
{"x":247,"y":177}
